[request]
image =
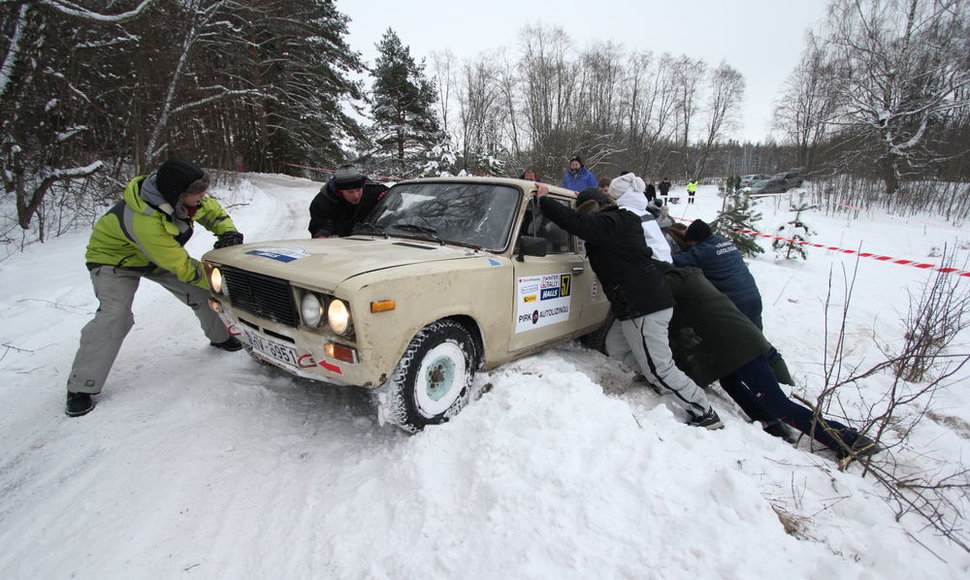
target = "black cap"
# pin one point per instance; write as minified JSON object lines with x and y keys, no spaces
{"x":576,"y":158}
{"x":176,"y":176}
{"x":348,"y":177}
{"x":591,"y":200}
{"x":698,"y":231}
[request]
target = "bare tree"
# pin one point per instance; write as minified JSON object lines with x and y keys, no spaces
{"x":809,"y":102}
{"x":724,"y":104}
{"x":905,"y":70}
{"x":688,"y":73}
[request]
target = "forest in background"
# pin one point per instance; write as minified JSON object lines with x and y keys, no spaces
{"x":94,"y":92}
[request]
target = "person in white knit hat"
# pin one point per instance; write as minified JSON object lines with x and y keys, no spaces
{"x":628,"y":192}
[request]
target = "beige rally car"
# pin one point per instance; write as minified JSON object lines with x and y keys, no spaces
{"x":447,"y":276}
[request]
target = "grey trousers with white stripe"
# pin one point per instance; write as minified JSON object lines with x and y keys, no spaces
{"x":102,"y":337}
{"x":642,"y":344}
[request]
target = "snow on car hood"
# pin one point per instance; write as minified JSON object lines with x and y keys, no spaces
{"x":327,"y":262}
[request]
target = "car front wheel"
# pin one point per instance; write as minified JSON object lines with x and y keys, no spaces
{"x":433,"y":380}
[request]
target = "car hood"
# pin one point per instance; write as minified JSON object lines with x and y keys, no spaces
{"x":326,"y":263}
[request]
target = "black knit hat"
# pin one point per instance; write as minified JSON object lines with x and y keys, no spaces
{"x":177,"y":176}
{"x":348,"y":177}
{"x":576,"y":158}
{"x":591,"y":200}
{"x":698,"y":231}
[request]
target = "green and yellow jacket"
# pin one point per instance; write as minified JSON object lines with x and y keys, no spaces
{"x":147,"y":236}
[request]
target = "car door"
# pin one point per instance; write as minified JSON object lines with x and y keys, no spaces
{"x":555,"y":294}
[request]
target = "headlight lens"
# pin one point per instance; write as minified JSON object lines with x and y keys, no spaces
{"x":338,"y":316}
{"x":215,"y":280}
{"x":311,"y":309}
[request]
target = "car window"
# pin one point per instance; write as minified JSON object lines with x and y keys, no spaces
{"x":558,"y":240}
{"x":470,"y":214}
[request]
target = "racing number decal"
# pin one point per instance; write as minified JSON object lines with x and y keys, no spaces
{"x":564,"y":284}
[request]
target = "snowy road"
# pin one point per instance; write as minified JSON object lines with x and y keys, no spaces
{"x":203,"y":464}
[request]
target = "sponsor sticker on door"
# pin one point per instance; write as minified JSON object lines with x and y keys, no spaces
{"x":542,"y":300}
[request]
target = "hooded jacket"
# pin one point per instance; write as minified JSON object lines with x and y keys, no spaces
{"x":332,"y":215}
{"x":709,"y":336}
{"x":618,"y":255}
{"x":141,"y":232}
{"x":632,"y":199}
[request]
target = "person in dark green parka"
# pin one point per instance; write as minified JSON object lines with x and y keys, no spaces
{"x":713,"y":341}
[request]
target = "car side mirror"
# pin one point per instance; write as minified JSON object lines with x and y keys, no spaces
{"x":531,"y":246}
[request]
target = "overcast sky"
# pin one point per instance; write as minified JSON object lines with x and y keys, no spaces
{"x":763,"y":39}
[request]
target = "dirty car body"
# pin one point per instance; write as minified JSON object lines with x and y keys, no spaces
{"x":446,"y":276}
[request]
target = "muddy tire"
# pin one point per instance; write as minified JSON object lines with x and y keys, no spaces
{"x":433,"y":381}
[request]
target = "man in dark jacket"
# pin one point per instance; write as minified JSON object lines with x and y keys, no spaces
{"x":713,"y":341}
{"x":664,"y":187}
{"x":650,"y":191}
{"x":345,"y":201}
{"x":639,"y":295}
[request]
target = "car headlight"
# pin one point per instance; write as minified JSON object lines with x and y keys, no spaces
{"x":311,"y":309}
{"x":215,"y":280}
{"x":338,"y":316}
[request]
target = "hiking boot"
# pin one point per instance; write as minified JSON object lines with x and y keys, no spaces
{"x":232,"y":344}
{"x":78,"y":404}
{"x":708,"y":420}
{"x":861,"y":447}
{"x":778,"y":429}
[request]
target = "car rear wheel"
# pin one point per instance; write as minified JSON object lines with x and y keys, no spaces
{"x":433,"y":381}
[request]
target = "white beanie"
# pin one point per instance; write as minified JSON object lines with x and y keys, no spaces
{"x":625,"y":183}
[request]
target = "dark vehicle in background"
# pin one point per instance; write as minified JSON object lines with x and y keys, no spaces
{"x":747,"y":180}
{"x":766,"y":186}
{"x":792,"y":177}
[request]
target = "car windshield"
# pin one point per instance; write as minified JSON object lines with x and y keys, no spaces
{"x":469,"y":214}
{"x":760,"y":183}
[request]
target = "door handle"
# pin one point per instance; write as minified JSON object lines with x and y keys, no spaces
{"x":578,"y":270}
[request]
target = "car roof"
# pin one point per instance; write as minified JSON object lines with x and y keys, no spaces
{"x":520,"y":183}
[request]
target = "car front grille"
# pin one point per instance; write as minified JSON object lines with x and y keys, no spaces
{"x":264,"y":296}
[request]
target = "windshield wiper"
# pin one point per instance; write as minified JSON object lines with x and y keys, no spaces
{"x":364,"y":227}
{"x":430,"y":232}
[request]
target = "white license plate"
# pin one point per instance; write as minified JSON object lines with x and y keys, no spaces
{"x":274,"y":349}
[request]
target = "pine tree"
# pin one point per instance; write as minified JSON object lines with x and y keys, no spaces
{"x":405,"y":121}
{"x":796,"y":234}
{"x":739,"y":213}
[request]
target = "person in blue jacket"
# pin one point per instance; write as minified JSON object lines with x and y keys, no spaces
{"x":578,"y":178}
{"x":721,"y":262}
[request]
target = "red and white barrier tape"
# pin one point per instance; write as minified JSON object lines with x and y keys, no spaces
{"x":888,"y":259}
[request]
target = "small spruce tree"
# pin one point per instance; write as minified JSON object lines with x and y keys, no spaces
{"x":738,"y":213}
{"x":795,"y":234}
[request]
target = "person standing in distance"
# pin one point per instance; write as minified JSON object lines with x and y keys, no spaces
{"x":143,"y":236}
{"x":577,"y":176}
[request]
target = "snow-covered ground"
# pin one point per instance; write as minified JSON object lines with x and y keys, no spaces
{"x":199,"y":463}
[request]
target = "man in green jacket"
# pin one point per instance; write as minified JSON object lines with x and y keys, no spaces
{"x":143,"y":236}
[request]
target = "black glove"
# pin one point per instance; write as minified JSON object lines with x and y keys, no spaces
{"x":228,"y":239}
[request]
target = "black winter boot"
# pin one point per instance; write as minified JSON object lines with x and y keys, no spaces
{"x":78,"y":404}
{"x":232,"y":344}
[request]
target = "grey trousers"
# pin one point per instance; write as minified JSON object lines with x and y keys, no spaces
{"x":642,"y":344}
{"x":101,"y":338}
